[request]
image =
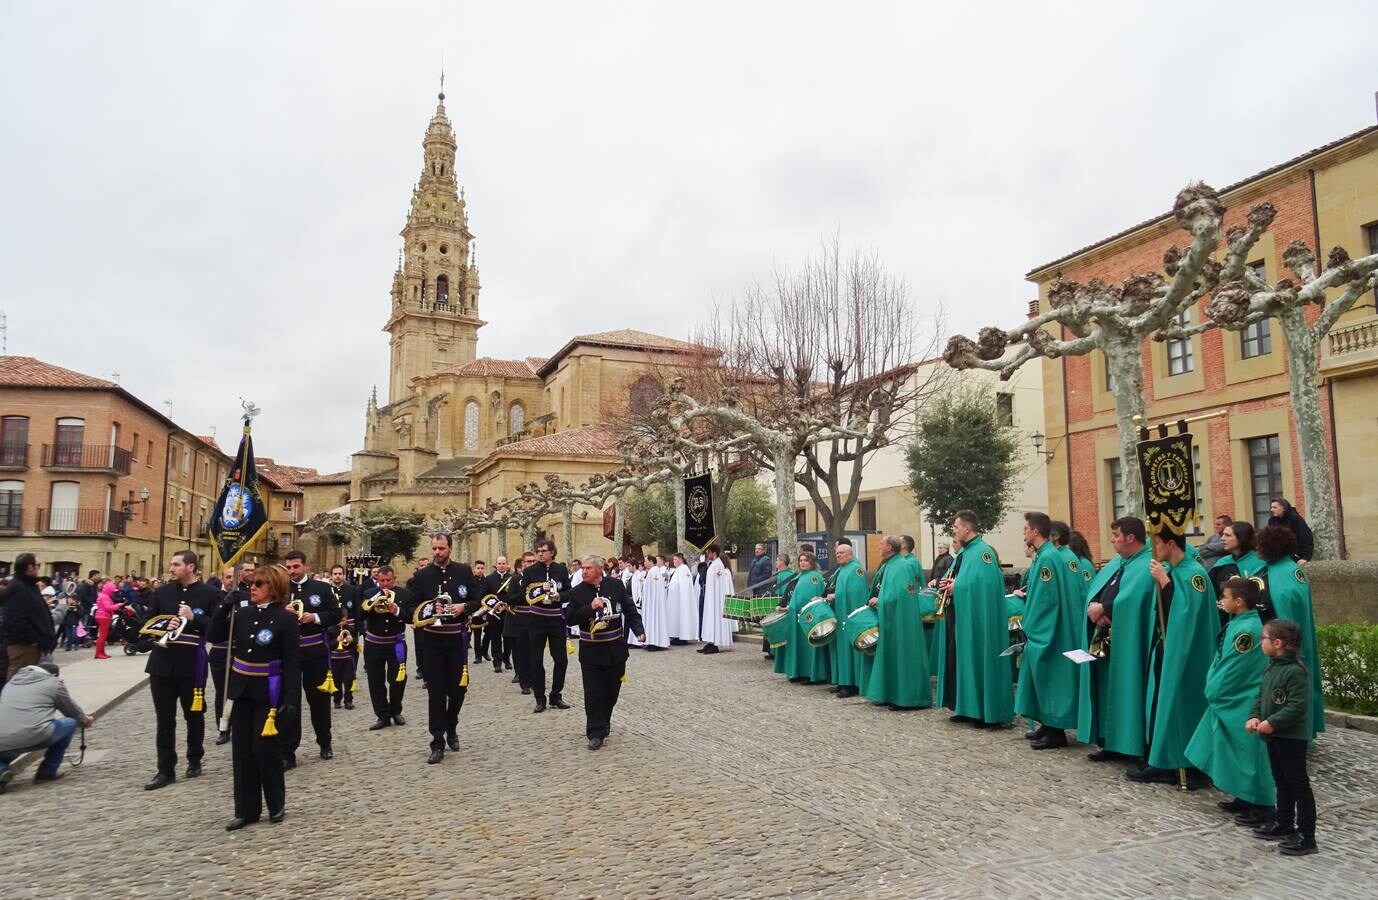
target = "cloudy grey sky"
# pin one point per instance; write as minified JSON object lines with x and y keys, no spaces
{"x":208,"y":202}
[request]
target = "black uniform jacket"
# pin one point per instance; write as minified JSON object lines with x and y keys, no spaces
{"x":538,"y":573}
{"x":260,"y":635}
{"x":580,"y":612}
{"x":455,"y":579}
{"x":180,"y":660}
{"x":316,"y":598}
{"x":385,"y":625}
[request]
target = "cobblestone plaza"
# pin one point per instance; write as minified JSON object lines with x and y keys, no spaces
{"x":719,"y":780}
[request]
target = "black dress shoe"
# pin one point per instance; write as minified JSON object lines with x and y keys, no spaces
{"x":559,"y":703}
{"x":526,"y":691}
{"x":161,"y":780}
{"x":43,"y":776}
{"x":540,"y":706}
{"x":349,"y":704}
{"x":1255,"y":816}
{"x":1274,"y":831}
{"x":1054,"y":739}
{"x":1102,"y":755}
{"x":380,"y":725}
{"x":516,"y":679}
{"x":507,"y":666}
{"x":1298,"y":845}
{"x":1234,"y":805}
{"x":436,"y":756}
{"x":497,"y":667}
{"x":236,"y":824}
{"x":960,"y":719}
{"x":276,"y":817}
{"x":398,"y":720}
{"x":1037,"y":734}
{"x":595,"y":743}
{"x":193,"y":770}
{"x":223,"y":739}
{"x":338,"y":704}
{"x":327,"y":753}
{"x":289,"y":763}
{"x":453,"y":741}
{"x":835,"y":689}
{"x":1151,"y":775}
{"x":711,"y":648}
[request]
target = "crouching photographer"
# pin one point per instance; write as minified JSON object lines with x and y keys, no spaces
{"x":37,"y":713}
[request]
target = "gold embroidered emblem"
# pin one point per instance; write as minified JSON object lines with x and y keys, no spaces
{"x":1072,"y":564}
{"x":1300,"y":575}
{"x":859,"y":573}
{"x":1045,"y":574}
{"x":986,"y":557}
{"x":910,"y":588}
{"x":1243,"y":643}
{"x":1198,"y":583}
{"x":1279,"y":697}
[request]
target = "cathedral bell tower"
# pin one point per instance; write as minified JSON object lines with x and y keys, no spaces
{"x":434,"y":319}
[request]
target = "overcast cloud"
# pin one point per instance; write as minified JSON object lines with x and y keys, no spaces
{"x":208,"y":201}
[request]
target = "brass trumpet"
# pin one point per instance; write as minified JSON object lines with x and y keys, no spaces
{"x":344,"y":640}
{"x":163,"y":627}
{"x":380,"y":603}
{"x":940,"y":604}
{"x":296,"y":607}
{"x":540,"y":593}
{"x":1100,"y":642}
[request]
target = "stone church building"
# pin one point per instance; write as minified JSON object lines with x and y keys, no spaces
{"x":458,"y":428}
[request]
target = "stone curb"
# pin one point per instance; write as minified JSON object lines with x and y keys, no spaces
{"x":1352,"y":720}
{"x":33,"y":756}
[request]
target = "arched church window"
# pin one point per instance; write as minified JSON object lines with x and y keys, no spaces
{"x":442,"y":289}
{"x":471,"y":425}
{"x":516,"y":418}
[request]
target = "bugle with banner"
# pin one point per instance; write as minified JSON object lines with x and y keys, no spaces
{"x":240,"y":515}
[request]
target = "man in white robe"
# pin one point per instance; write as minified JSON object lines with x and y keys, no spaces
{"x":683,"y":603}
{"x":714,"y":630}
{"x":655,"y":609}
{"x":638,"y":593}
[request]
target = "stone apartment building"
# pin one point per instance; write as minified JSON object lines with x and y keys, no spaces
{"x":1326,"y":197}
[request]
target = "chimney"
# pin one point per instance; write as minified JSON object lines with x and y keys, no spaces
{"x":1033,"y":308}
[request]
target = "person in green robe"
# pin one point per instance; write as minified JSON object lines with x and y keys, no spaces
{"x":1239,"y":560}
{"x":1287,"y":595}
{"x":899,"y":676}
{"x":785,"y":577}
{"x":807,"y":664}
{"x":974,"y":680}
{"x":1187,"y":623}
{"x":1053,"y":611}
{"x":1110,"y":709}
{"x":1236,"y":761}
{"x":851,"y":589}
{"x":907,"y":546}
{"x":1081,"y":552}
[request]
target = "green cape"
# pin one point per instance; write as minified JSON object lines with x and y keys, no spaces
{"x":851,"y":590}
{"x":806,"y":660}
{"x":1088,"y":572}
{"x":899,"y":672}
{"x":783,"y":580}
{"x":1112,"y":690}
{"x":1290,"y":593}
{"x":1176,"y":699}
{"x":981,"y":627}
{"x":1052,"y":616}
{"x":1248,"y":565}
{"x":1234,"y":759}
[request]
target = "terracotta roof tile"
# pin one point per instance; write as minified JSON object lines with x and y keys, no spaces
{"x":26,"y":371}
{"x":627,"y":338}
{"x":590,"y":440}
{"x":332,"y":478}
{"x":284,"y":478}
{"x":210,"y":442}
{"x":485,"y":367}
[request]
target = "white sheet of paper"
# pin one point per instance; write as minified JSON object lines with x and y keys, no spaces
{"x":1012,"y":649}
{"x":1079,"y":656}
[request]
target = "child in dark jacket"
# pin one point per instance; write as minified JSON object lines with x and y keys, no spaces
{"x":1280,"y":716}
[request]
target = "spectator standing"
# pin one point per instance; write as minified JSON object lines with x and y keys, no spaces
{"x":761,"y":577}
{"x":28,"y":627}
{"x":1214,"y":546}
{"x":1281,"y":717}
{"x":1286,"y":515}
{"x":37,"y":713}
{"x":106,"y":604}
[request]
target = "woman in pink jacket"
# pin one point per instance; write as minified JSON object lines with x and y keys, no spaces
{"x":106,"y":604}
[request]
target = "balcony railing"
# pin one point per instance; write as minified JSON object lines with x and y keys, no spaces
{"x":80,"y":521}
{"x":1354,"y":338}
{"x":14,"y":456}
{"x":87,"y":457}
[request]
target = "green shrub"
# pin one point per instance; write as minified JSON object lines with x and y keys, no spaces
{"x":1349,"y":666}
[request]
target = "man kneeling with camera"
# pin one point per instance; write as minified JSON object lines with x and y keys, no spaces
{"x":37,"y":713}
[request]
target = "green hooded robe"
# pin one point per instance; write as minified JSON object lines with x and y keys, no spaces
{"x":851,"y":590}
{"x":1052,"y":616}
{"x":1234,"y":759}
{"x":784,"y":584}
{"x":899,"y":671}
{"x":977,"y":683}
{"x":1176,"y":698}
{"x":806,"y":660}
{"x":1110,"y":711}
{"x":1289,"y":592}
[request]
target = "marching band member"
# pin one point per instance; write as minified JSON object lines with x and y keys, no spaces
{"x":497,"y":583}
{"x":265,"y":682}
{"x":516,"y":627}
{"x":177,"y":670}
{"x":850,"y":590}
{"x":1052,"y":613}
{"x":898,"y":676}
{"x":384,"y":636}
{"x":236,"y":589}
{"x":974,"y":679}
{"x":542,"y":584}
{"x":605,"y":616}
{"x":477,"y":630}
{"x":344,"y":663}
{"x":319,"y":613}
{"x":443,"y":644}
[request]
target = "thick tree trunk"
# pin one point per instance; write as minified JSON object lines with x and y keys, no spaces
{"x":567,"y":523}
{"x":619,"y":524}
{"x":1126,"y":366}
{"x":681,"y":544}
{"x":529,"y":535}
{"x":783,"y":460}
{"x":463,"y":541}
{"x":1318,"y":486}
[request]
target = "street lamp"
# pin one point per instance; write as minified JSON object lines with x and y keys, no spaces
{"x":127,"y":508}
{"x":1038,"y":438}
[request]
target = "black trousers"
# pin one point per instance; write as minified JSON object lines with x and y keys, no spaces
{"x":257,"y":762}
{"x":493,"y":646}
{"x":546,"y":632}
{"x":343,"y":671}
{"x":384,"y":690}
{"x":602,"y":685}
{"x":167,"y":694}
{"x":518,"y":641}
{"x":312,"y":676}
{"x":444,"y":661}
{"x":1296,"y":803}
{"x":218,"y":662}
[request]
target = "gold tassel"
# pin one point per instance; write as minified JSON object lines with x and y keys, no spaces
{"x":269,"y":728}
{"x":464,"y":677}
{"x":401,"y":673}
{"x":198,"y":700}
{"x":328,"y":686}
{"x":623,"y":679}
{"x":570,"y":647}
{"x":354,"y":686}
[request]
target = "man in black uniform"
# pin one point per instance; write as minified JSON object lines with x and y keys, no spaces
{"x":497,"y":584}
{"x":443,"y":646}
{"x":344,"y":664}
{"x":542,"y":584}
{"x":176,"y":673}
{"x":319,"y":613}
{"x":480,"y":570}
{"x":605,"y":615}
{"x":516,"y":624}
{"x":384,"y":637}
{"x":233,"y":589}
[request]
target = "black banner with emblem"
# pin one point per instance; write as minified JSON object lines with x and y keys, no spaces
{"x":240,"y":515}
{"x":699,"y":530}
{"x":1169,"y":480}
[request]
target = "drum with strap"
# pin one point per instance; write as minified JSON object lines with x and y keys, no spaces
{"x":819,"y":621}
{"x":863,"y":626}
{"x":776,"y":628}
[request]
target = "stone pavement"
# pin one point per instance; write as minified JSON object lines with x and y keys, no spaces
{"x":719,"y":780}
